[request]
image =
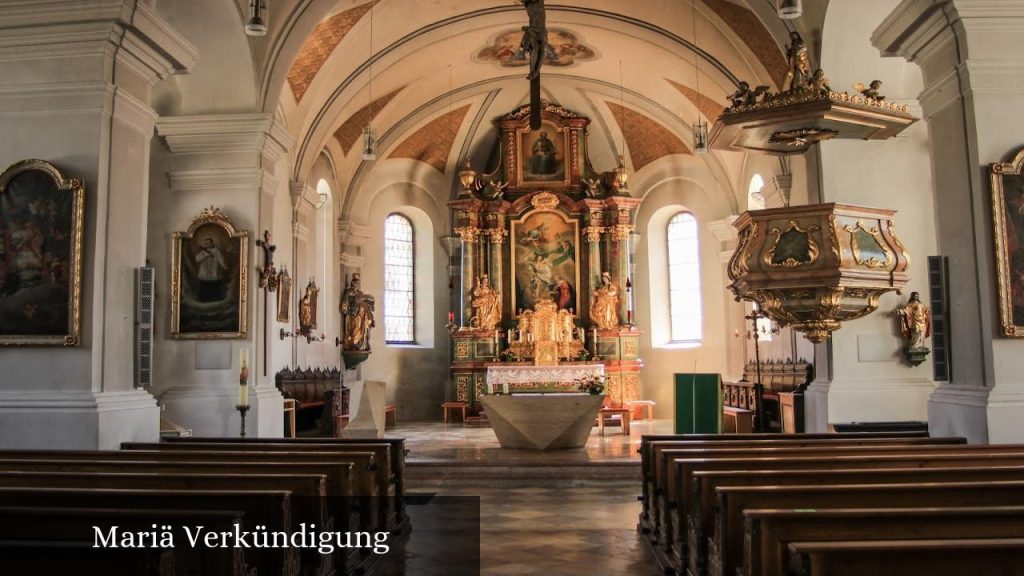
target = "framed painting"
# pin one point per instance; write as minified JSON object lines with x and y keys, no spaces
{"x":209,"y":279}
{"x":543,"y":159}
{"x":284,"y":296}
{"x":41,"y":219}
{"x":1008,"y":219}
{"x":545,"y":261}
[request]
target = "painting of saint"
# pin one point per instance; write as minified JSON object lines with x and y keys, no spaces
{"x":1013,"y":189}
{"x":546,"y":259}
{"x":543,"y":157}
{"x":208,"y":263}
{"x":40,"y":255}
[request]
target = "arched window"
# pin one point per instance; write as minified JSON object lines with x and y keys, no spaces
{"x":755,"y":198}
{"x":684,"y":279}
{"x":399,"y":287}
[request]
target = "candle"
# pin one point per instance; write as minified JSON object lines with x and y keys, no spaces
{"x":243,"y":363}
{"x":243,"y":394}
{"x":451,"y":317}
{"x":504,"y":388}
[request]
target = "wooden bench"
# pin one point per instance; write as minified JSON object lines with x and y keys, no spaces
{"x":698,"y":518}
{"x":649,"y":441}
{"x":267,"y":508}
{"x":737,"y":420}
{"x":46,"y":540}
{"x":726,"y":545}
{"x":313,"y":391}
{"x":385,"y":493}
{"x":768,"y":533}
{"x":975,"y":556}
{"x":398,"y":454}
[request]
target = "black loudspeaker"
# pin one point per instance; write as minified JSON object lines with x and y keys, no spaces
{"x":144,"y":307}
{"x":938,"y":290}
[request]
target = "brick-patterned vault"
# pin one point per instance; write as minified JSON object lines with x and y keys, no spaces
{"x":433,"y":142}
{"x":646,"y":139}
{"x":319,"y":45}
{"x":352,"y":128}
{"x":710,"y":109}
{"x":753,"y":33}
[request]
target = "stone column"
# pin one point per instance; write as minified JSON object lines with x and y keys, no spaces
{"x":619,"y":242}
{"x":497,"y":238}
{"x":593,"y":237}
{"x":735,"y":349}
{"x":969,"y":52}
{"x":77,"y":78}
{"x":469,"y":235}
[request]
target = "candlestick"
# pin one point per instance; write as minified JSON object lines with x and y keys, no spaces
{"x":241,"y":411}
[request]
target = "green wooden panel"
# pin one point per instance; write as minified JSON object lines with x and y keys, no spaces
{"x":698,"y":404}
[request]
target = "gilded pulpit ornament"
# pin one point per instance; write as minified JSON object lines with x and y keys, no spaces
{"x":486,"y":304}
{"x":604,"y":305}
{"x":357,"y":320}
{"x":915,"y":325}
{"x":804,"y":112}
{"x":804,"y":273}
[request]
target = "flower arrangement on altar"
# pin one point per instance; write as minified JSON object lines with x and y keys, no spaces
{"x":591,"y":384}
{"x":509,"y":355}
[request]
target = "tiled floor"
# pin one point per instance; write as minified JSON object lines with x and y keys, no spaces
{"x":560,"y":530}
{"x":437,"y":441}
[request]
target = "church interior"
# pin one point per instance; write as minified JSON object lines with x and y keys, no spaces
{"x":591,"y":287}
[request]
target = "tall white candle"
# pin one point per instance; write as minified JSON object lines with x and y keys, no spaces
{"x":243,"y":394}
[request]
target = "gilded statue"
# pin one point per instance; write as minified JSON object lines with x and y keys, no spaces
{"x":604,"y":304}
{"x":357,"y":316}
{"x":799,"y":75}
{"x":915,"y":325}
{"x":871,"y":91}
{"x":307,"y":308}
{"x":487,"y":304}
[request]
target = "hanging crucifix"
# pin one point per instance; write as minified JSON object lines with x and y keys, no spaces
{"x":535,"y":42}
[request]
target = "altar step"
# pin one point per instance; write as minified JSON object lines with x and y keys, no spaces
{"x":425,"y":472}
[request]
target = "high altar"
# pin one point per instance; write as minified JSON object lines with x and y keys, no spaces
{"x":544,"y":265}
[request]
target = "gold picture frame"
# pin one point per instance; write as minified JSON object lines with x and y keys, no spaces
{"x":1008,"y":221}
{"x":548,"y":237}
{"x":284,"y":296}
{"x":528,"y":152}
{"x":41,"y":235}
{"x":209,"y":279}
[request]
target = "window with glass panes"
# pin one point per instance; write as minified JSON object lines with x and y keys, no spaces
{"x":399,"y":260}
{"x":684,"y":278}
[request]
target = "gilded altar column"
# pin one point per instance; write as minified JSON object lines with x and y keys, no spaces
{"x":593,"y":236}
{"x":497,"y":244}
{"x":469,"y":236}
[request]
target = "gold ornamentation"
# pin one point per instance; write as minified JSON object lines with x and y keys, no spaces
{"x":487,"y":304}
{"x":593,"y":233}
{"x":629,"y":348}
{"x":604,"y":304}
{"x":235,"y":242}
{"x":497,"y":235}
{"x":739,"y":263}
{"x":621,"y":232}
{"x":462,"y":388}
{"x":26,"y":237}
{"x":468,"y":233}
{"x":545,"y":201}
{"x":794,"y":251}
{"x":357,"y":316}
{"x":1009,"y":277}
{"x":461,"y":349}
{"x":857,"y":240}
{"x":546,"y":106}
{"x":802,"y":137}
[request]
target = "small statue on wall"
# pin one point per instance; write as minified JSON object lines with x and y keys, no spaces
{"x":799,"y":75}
{"x":357,"y":315}
{"x":487,"y":304}
{"x":604,"y":304}
{"x":915,"y":325}
{"x":307,"y":308}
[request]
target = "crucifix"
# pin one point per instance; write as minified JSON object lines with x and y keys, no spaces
{"x":535,"y":42}
{"x":268,"y":281}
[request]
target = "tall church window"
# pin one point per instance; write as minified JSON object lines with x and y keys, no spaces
{"x":755,"y":195}
{"x":684,"y":279}
{"x":399,"y":286}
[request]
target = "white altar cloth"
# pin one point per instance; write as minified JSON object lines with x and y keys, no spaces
{"x":524,"y":374}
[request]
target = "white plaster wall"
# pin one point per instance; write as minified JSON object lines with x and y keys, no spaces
{"x":894,"y":174}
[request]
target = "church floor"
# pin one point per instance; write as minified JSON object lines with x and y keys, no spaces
{"x":561,"y":531}
{"x":431,"y":441}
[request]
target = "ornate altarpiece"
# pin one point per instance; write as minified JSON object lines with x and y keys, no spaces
{"x":542,"y":226}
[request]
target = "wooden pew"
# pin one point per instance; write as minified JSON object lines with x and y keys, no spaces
{"x":648,"y":441}
{"x":666,"y":480}
{"x":768,"y":533}
{"x":976,"y":557}
{"x":309,"y":492}
{"x":725,"y":549}
{"x":267,"y":508}
{"x":32,"y":539}
{"x":691,"y":517}
{"x":387,"y":475}
{"x":398,"y":454}
{"x":651,"y":448}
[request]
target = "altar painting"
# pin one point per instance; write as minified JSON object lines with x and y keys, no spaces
{"x":542,"y":155}
{"x":546,"y":261}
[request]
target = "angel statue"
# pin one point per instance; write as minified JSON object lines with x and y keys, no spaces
{"x":870,"y":91}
